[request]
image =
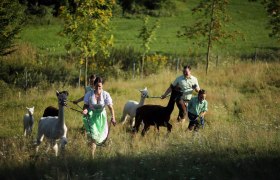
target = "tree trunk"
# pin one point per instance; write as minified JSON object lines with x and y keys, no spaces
{"x":142,"y":66}
{"x":210,"y":36}
{"x":86,"y":68}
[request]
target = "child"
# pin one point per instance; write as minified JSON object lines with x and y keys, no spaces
{"x":197,"y":108}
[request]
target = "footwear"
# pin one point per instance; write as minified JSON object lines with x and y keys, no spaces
{"x":181,"y":120}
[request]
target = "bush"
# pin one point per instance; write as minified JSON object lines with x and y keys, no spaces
{"x":155,"y":63}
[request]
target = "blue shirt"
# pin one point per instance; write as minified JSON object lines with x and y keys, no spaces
{"x":196,"y":107}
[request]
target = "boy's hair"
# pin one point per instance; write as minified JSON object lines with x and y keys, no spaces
{"x":201,"y":91}
{"x":187,"y":67}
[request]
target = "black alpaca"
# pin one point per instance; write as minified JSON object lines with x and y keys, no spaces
{"x":50,"y":111}
{"x":156,"y":115}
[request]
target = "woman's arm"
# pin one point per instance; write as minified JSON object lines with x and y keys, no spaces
{"x":85,"y":109}
{"x":113,"y":120}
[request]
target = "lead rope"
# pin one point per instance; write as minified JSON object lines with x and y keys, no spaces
{"x":156,"y":96}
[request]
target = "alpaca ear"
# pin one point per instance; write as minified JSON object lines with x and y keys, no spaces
{"x":145,"y":89}
{"x":57,"y":93}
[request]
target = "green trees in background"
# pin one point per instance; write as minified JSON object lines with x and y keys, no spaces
{"x":88,"y":28}
{"x":143,"y":6}
{"x":146,"y":35}
{"x":273,"y":12}
{"x":11,"y":22}
{"x":210,"y":25}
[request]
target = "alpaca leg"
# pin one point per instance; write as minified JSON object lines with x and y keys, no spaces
{"x":145,"y":129}
{"x":137,"y":124}
{"x":55,"y":148}
{"x":40,"y":138}
{"x":93,"y":148}
{"x":123,"y":119}
{"x":63,"y":142}
{"x":28,"y":131}
{"x":24,"y":132}
{"x":169,"y":127}
{"x":132,"y":122}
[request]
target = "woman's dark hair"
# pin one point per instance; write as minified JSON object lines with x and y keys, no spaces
{"x":187,"y":67}
{"x":201,"y":91}
{"x":98,"y":80}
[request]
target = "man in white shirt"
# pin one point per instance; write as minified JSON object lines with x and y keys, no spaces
{"x":187,"y":83}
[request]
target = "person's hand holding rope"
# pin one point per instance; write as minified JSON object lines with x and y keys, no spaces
{"x":113,"y":121}
{"x":85,"y":112}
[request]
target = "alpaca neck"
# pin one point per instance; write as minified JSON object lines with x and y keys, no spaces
{"x":141,"y":102}
{"x":171,"y":103}
{"x":61,"y":115}
{"x":30,"y":116}
{"x":170,"y":106}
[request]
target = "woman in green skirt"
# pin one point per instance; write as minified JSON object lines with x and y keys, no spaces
{"x":95,"y":117}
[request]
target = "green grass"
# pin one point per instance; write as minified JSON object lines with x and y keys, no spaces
{"x":241,"y":138}
{"x":248,"y":18}
{"x":46,"y":38}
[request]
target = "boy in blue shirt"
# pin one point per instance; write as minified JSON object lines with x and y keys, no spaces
{"x":197,"y":108}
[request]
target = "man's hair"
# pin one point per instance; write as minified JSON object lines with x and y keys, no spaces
{"x":187,"y":66}
{"x":201,"y":91}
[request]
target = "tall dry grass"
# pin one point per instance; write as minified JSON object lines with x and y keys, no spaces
{"x":241,"y":138}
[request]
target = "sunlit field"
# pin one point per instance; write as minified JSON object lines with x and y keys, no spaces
{"x":241,"y":138}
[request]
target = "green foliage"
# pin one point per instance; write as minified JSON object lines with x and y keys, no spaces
{"x":30,"y":73}
{"x":39,"y":15}
{"x":210,"y":25}
{"x":273,"y":12}
{"x":11,"y":22}
{"x":147,"y":35}
{"x":88,"y":27}
{"x":147,"y":7}
{"x":155,"y":63}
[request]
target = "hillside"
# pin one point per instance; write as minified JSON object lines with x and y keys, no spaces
{"x":247,"y":17}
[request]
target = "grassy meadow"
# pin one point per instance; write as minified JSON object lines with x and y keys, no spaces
{"x":248,"y":18}
{"x":241,"y":139}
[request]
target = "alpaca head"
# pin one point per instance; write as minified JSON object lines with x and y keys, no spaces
{"x":30,"y":110}
{"x":144,"y":93}
{"x":62,"y":97}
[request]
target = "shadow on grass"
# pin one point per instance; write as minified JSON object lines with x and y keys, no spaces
{"x":177,"y":163}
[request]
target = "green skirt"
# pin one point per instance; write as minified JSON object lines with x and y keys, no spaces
{"x":96,"y":125}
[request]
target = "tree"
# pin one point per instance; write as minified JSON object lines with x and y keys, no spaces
{"x":11,"y":22}
{"x":273,"y":12}
{"x":210,"y":25}
{"x":88,"y":28}
{"x":126,"y":5}
{"x":147,"y":35}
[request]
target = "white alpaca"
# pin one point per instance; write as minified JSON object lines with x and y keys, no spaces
{"x":28,"y":121}
{"x":131,"y":106}
{"x":53,"y":127}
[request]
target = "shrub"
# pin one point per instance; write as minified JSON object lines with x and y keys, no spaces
{"x":155,"y":63}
